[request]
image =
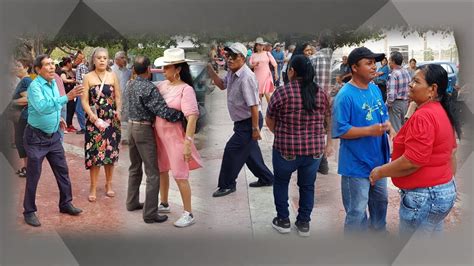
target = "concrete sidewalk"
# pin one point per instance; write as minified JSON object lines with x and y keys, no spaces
{"x":247,"y":213}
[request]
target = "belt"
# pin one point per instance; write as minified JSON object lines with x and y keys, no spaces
{"x":41,"y":132}
{"x":140,"y":122}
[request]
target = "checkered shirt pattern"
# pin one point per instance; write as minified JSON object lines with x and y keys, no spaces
{"x":397,"y":85}
{"x":322,"y":68}
{"x":297,"y":131}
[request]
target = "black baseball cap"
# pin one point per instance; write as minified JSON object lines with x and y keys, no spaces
{"x":363,"y":52}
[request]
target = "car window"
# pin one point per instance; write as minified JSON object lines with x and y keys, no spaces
{"x":195,"y":70}
{"x":447,"y":68}
{"x":158,"y":77}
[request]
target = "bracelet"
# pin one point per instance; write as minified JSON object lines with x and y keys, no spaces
{"x":255,"y":128}
{"x":189,"y":138}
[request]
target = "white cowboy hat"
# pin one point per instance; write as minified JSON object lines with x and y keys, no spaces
{"x":260,"y":40}
{"x":172,"y":56}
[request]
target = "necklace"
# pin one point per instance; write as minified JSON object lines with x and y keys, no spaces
{"x":98,"y":75}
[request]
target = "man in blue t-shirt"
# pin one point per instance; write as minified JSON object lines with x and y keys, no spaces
{"x":360,"y":120}
{"x":279,"y":56}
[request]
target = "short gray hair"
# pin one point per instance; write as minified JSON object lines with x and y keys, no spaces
{"x":120,"y":54}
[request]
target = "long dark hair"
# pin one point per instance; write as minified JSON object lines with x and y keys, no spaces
{"x":304,"y":71}
{"x":185,"y":73}
{"x":436,"y":74}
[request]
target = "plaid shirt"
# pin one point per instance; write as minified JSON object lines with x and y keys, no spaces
{"x":81,"y":70}
{"x":322,"y":68}
{"x":397,"y":85}
{"x":297,"y":131}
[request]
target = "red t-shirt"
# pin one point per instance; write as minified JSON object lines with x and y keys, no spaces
{"x":427,"y":139}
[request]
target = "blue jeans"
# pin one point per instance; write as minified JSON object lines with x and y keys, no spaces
{"x":80,"y":114}
{"x":357,"y":195}
{"x":423,"y":209}
{"x":283,"y":167}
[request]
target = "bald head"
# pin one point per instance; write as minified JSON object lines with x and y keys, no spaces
{"x":141,"y":64}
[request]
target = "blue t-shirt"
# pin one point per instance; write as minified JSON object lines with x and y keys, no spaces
{"x":22,"y":87}
{"x":385,"y":71}
{"x":279,"y":58}
{"x":354,"y":107}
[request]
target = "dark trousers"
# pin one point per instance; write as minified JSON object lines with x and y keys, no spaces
{"x":19,"y":132}
{"x":242,"y":149}
{"x":71,"y":109}
{"x":142,"y":149}
{"x":39,"y":145}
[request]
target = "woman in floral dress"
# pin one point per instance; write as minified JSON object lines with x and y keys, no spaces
{"x":101,"y":145}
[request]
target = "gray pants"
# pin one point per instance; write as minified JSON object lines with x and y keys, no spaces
{"x":397,"y":113}
{"x":142,"y":149}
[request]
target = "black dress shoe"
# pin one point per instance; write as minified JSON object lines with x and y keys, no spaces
{"x":70,"y":209}
{"x":157,"y":219}
{"x":31,"y":219}
{"x":259,"y":183}
{"x":324,"y":166}
{"x":138,"y":207}
{"x":222,"y":192}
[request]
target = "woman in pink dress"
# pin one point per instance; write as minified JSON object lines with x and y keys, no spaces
{"x":259,"y":62}
{"x":176,"y":149}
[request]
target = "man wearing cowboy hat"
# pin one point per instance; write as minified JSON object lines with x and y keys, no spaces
{"x":244,"y":109}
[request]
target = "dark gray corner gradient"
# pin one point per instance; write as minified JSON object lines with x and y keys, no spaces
{"x":120,"y":17}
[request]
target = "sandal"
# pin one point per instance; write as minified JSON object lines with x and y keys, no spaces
{"x":109,"y":192}
{"x":91,"y":198}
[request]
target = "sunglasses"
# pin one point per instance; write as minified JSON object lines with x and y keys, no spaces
{"x":231,"y":55}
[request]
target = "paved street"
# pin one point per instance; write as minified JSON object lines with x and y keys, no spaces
{"x":247,"y":213}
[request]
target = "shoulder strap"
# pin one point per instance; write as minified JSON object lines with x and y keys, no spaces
{"x":102,"y":86}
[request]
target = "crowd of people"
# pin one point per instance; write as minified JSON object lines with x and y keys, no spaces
{"x":365,"y":109}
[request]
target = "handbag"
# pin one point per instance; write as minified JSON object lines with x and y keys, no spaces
{"x":270,"y":63}
{"x":100,"y":123}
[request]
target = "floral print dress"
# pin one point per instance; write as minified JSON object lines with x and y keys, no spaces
{"x":102,"y":147}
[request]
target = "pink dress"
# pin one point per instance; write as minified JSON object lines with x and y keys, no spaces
{"x":262,"y":71}
{"x":170,"y":136}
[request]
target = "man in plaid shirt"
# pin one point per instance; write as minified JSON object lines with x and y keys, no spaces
{"x":397,"y":91}
{"x":81,"y":70}
{"x":322,"y":76}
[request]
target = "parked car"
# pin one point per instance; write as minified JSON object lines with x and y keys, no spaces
{"x":450,"y":67}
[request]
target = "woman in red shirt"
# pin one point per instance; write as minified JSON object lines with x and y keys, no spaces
{"x":423,"y":159}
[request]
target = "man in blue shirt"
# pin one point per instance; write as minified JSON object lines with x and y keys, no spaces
{"x":279,"y":56}
{"x":360,"y":120}
{"x":43,"y":140}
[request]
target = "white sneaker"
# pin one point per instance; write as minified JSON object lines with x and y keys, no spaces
{"x":163,"y":209}
{"x":185,"y":220}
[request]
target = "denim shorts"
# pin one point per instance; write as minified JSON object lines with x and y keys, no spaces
{"x":424,"y":209}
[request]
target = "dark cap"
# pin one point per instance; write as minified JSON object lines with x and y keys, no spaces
{"x":363,"y":52}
